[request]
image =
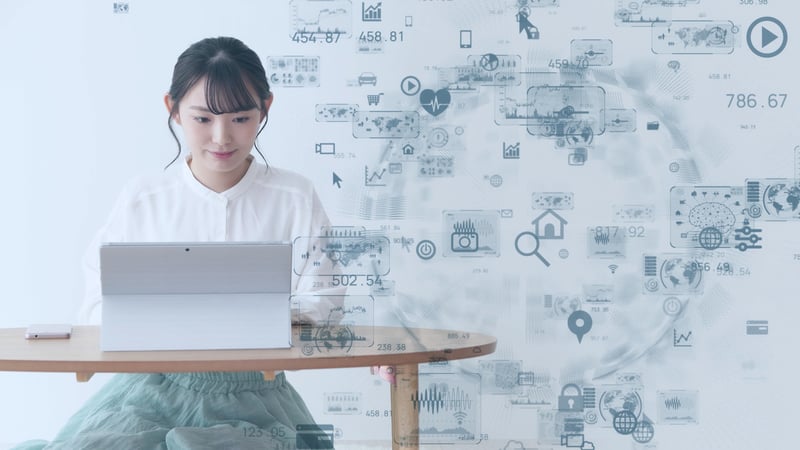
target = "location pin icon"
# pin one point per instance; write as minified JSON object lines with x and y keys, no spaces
{"x":579,"y":323}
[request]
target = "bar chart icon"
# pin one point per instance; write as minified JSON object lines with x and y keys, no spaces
{"x":371,"y":13}
{"x":511,"y":151}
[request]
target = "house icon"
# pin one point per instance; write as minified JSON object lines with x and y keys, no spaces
{"x":408,"y":149}
{"x":547,"y":223}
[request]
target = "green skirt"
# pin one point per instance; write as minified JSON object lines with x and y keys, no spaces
{"x":185,"y":411}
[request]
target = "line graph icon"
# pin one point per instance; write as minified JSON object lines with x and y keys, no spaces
{"x":321,"y":17}
{"x":681,"y":339}
{"x":374,"y":178}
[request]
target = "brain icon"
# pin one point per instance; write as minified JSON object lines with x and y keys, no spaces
{"x":712,"y":214}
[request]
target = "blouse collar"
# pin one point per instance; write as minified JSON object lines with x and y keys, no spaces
{"x":236,"y":190}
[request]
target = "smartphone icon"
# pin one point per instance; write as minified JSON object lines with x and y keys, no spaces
{"x":466,"y":39}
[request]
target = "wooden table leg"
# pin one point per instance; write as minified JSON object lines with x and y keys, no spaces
{"x":405,"y":419}
{"x":83,"y":377}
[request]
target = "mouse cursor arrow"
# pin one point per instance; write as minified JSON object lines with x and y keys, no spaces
{"x":524,"y":23}
{"x":337,"y":181}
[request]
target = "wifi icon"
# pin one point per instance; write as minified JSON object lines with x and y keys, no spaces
{"x":613,"y":268}
{"x":460,"y":416}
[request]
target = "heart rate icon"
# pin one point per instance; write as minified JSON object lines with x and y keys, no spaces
{"x":434,"y":102}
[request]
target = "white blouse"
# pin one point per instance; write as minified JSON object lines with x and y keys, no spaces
{"x":267,"y":204}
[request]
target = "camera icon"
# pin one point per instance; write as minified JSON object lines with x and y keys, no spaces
{"x":464,"y":241}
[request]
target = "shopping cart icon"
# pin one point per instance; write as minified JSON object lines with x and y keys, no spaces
{"x":374,"y":99}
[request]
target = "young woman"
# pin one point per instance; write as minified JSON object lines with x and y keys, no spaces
{"x":218,"y":192}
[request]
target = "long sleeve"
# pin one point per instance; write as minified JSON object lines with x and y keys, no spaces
{"x":112,"y":230}
{"x":313,"y":302}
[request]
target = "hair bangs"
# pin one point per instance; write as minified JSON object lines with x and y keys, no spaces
{"x":226,"y":89}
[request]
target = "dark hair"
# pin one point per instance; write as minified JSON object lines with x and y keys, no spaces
{"x":228,"y":65}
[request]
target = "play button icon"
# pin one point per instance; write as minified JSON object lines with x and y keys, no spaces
{"x":773,"y":37}
{"x":410,"y":85}
{"x":767,"y":37}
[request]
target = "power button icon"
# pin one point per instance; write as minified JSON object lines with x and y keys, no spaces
{"x":426,"y":249}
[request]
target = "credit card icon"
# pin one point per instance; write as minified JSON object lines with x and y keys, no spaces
{"x":314,"y":436}
{"x":757,"y":327}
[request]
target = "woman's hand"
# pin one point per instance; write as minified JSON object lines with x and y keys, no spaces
{"x":385,"y":372}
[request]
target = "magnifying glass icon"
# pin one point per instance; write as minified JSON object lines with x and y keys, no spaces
{"x":528,"y":239}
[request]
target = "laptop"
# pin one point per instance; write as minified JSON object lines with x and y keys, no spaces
{"x":195,"y":295}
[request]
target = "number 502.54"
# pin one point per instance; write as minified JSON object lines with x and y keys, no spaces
{"x":355,"y":280}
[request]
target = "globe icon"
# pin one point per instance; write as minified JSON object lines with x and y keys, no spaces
{"x":625,"y":422}
{"x":680,"y":273}
{"x":710,"y":238}
{"x":644,"y":432}
{"x":782,"y":198}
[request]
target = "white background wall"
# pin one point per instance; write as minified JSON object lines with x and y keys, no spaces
{"x":82,"y":89}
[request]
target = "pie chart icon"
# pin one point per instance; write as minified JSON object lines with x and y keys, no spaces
{"x":767,"y":37}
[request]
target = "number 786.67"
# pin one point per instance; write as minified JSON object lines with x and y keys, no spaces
{"x":751,"y":101}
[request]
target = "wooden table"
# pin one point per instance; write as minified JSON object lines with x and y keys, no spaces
{"x":403,"y":348}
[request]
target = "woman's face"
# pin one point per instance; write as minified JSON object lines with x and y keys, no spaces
{"x":219,"y":144}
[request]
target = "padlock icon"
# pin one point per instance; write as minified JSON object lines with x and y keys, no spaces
{"x":570,"y":402}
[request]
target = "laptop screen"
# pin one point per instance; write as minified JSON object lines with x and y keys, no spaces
{"x":195,"y":296}
{"x":195,"y":268}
